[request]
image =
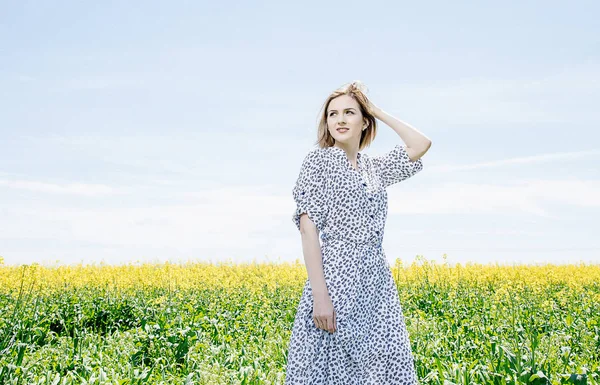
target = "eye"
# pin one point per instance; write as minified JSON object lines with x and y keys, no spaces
{"x":331,"y":113}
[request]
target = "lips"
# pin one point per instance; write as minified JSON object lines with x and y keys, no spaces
{"x":342,"y":129}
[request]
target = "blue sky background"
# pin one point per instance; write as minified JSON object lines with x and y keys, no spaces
{"x":153,"y":131}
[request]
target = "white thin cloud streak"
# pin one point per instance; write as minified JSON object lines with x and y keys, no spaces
{"x":519,"y":160}
{"x":83,"y":189}
{"x":564,"y":96}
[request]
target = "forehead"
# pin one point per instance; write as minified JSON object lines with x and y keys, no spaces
{"x":342,"y":102}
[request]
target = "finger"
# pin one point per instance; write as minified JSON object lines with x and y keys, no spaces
{"x":318,"y":323}
{"x":330,"y":324}
{"x":323,"y":323}
{"x":334,"y":322}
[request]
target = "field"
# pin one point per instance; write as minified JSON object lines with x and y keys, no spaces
{"x":230,"y":324}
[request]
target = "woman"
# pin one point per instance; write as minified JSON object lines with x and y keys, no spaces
{"x":349,"y":326}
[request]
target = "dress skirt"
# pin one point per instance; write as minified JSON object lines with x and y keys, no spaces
{"x":371,"y":344}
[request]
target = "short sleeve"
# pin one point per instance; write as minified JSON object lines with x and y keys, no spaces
{"x":395,"y":166}
{"x":309,"y":190}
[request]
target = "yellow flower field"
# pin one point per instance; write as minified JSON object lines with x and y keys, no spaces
{"x":230,"y":324}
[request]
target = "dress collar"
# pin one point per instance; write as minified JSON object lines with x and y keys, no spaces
{"x":341,"y":151}
{"x":343,"y":157}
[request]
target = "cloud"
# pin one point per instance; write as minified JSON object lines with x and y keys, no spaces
{"x":106,"y":81}
{"x":216,"y":218}
{"x":69,"y":188}
{"x":518,"y":160}
{"x":25,"y":78}
{"x":244,"y":220}
{"x":528,"y":197}
{"x":565,"y":96}
{"x":245,"y":215}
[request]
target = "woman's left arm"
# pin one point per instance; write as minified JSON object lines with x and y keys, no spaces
{"x":417,"y":144}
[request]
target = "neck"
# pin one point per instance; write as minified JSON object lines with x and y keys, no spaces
{"x":351,"y":153}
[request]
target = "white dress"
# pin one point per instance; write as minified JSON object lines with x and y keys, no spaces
{"x":371,"y":344}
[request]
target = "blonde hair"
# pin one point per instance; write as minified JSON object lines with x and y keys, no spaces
{"x":356,"y":90}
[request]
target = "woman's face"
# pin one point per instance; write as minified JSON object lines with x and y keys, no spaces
{"x":344,"y":111}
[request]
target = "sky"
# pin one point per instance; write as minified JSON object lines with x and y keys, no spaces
{"x":135,"y":132}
